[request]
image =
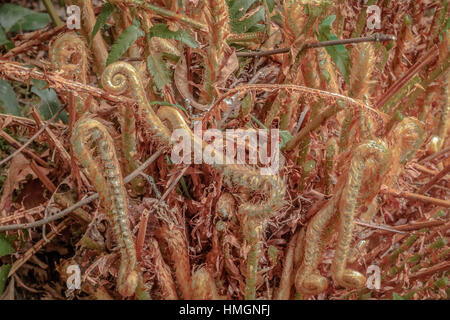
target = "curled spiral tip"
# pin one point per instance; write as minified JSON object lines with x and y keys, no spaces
{"x":115,"y":77}
{"x":128,"y":286}
{"x":350,"y":279}
{"x":94,"y":148}
{"x":407,"y":136}
{"x":311,"y":285}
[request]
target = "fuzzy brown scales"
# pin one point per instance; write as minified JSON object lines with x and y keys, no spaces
{"x":94,"y":148}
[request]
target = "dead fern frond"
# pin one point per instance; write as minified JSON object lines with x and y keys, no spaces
{"x":216,"y":13}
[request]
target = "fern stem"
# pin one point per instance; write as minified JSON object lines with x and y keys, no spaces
{"x":52,"y":12}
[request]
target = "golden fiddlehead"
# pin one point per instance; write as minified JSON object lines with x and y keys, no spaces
{"x":94,"y":148}
{"x":370,"y":159}
{"x":272,"y":185}
{"x":368,"y":164}
{"x":404,"y":139}
{"x":252,"y":216}
{"x":121,"y":78}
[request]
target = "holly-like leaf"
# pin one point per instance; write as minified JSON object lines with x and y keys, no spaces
{"x":107,"y":10}
{"x":16,"y":18}
{"x":162,"y":31}
{"x":338,"y":53}
{"x":8,"y":99}
{"x":124,"y":42}
{"x":237,"y":11}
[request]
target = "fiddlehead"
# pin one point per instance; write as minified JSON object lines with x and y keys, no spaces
{"x":271,"y":185}
{"x":405,"y":138}
{"x":94,"y":148}
{"x":119,"y":78}
{"x":122,"y":78}
{"x":307,"y":279}
{"x":370,"y":160}
{"x":216,"y":14}
{"x":99,"y":47}
{"x":330,"y":156}
{"x":203,"y":286}
{"x":363,"y":57}
{"x":252,"y":216}
{"x":69,"y":55}
{"x":363,"y":65}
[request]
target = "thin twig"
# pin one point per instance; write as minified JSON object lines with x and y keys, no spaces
{"x":35,"y":41}
{"x":174,"y":183}
{"x":26,"y":151}
{"x":37,"y":246}
{"x":32,"y":138}
{"x":310,"y":45}
{"x":440,"y":267}
{"x":415,"y":196}
{"x":435,"y":179}
{"x":435,"y":155}
{"x":378,"y":226}
{"x":80,"y":203}
{"x":269,"y":87}
{"x":417,"y":225}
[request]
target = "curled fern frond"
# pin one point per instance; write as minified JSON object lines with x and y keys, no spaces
{"x":94,"y":148}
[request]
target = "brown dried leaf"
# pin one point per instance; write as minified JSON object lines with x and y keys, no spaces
{"x":18,"y":171}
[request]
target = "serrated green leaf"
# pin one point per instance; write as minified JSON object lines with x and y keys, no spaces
{"x":338,"y":53}
{"x":16,"y":18}
{"x":107,"y":10}
{"x":124,"y":42}
{"x":8,"y":99}
{"x":4,"y":271}
{"x":158,"y":69}
{"x":49,"y":100}
{"x":162,"y":31}
{"x":5,"y":247}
